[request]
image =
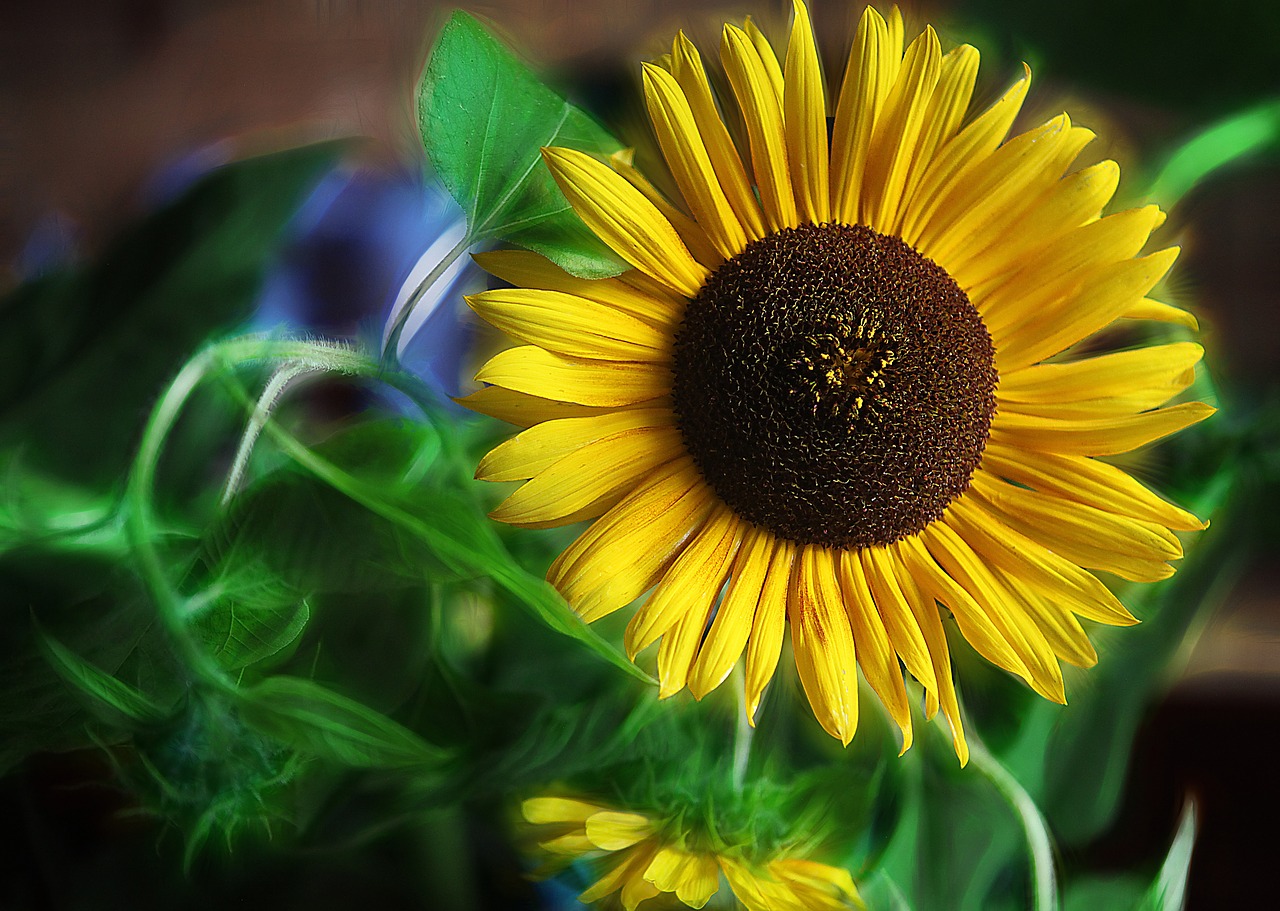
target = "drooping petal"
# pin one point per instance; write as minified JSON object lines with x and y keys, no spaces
{"x":624,"y":552}
{"x":876,"y":655}
{"x":692,"y":583}
{"x":823,"y":643}
{"x":732,"y":626}
{"x":765,"y":644}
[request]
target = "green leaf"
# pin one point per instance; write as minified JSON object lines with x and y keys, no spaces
{"x":484,"y":117}
{"x":84,"y":353}
{"x":118,"y":699}
{"x":1169,"y":891}
{"x":441,"y":522}
{"x":254,"y":616}
{"x":1221,"y":144}
{"x":311,"y":718}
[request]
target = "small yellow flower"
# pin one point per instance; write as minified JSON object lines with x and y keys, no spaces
{"x":850,"y":382}
{"x":643,"y":860}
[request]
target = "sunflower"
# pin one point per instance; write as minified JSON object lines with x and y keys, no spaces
{"x":847,"y":383}
{"x":645,"y":857}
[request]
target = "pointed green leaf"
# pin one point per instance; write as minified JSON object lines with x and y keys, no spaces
{"x":105,"y":691}
{"x":1169,"y":891}
{"x":484,"y":117}
{"x":311,"y":718}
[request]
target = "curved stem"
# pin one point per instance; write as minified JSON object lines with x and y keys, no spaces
{"x":744,"y":733}
{"x":1033,"y":824}
{"x":141,"y":526}
{"x":390,"y":350}
{"x":275,"y":389}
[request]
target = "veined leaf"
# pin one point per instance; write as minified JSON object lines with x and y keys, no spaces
{"x":254,"y":615}
{"x":311,"y":718}
{"x":484,"y":117}
{"x":105,"y":691}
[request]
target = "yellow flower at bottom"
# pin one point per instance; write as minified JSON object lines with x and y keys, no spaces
{"x":849,"y":381}
{"x":642,"y":861}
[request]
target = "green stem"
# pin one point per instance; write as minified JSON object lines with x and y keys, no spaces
{"x":1033,"y":824}
{"x":275,"y":389}
{"x":141,"y":525}
{"x":390,"y":353}
{"x":744,"y":733}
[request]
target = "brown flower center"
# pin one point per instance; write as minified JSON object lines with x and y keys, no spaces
{"x":834,"y":386}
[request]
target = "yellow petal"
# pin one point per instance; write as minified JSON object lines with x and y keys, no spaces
{"x":1086,"y":536}
{"x":692,"y":583}
{"x":1093,"y":303}
{"x":522,"y":409}
{"x":805,"y":115}
{"x":1021,"y":555}
{"x":627,"y":549}
{"x":1073,"y":201}
{"x":611,"y":830}
{"x":618,"y":214}
{"x":897,"y":131}
{"x":570,"y":325}
{"x":540,"y":447}
{"x":947,"y":107}
{"x":936,"y":583}
{"x":1165,"y":313}
{"x":689,"y":161}
{"x":1132,"y":380}
{"x":693,"y":877}
{"x":732,"y":626}
{"x":762,"y":111}
{"x":574,"y":844}
{"x":1107,"y":436}
{"x":823,"y":643}
{"x":592,"y":479}
{"x":1055,"y":272}
{"x":529,"y":270}
{"x":686,"y":66}
{"x":768,"y":58}
{"x":549,"y":810}
{"x":876,"y":656}
{"x":758,"y":893}
{"x":626,"y":868}
{"x":679,"y":647}
{"x":693,"y":234}
{"x":925,"y":610}
{"x":1061,"y":629}
{"x":965,"y":153}
{"x":899,"y":616}
{"x":535,"y":371}
{"x":1089,"y":481}
{"x":868,"y":76}
{"x":1016,"y":177}
{"x":765,"y":644}
{"x":956,"y":556}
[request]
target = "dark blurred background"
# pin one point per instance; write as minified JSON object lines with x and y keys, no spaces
{"x":106,"y":106}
